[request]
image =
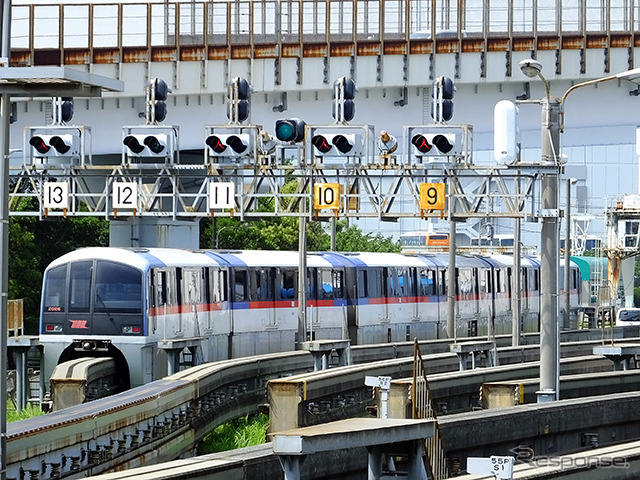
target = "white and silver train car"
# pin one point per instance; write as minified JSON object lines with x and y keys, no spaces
{"x":144,"y":307}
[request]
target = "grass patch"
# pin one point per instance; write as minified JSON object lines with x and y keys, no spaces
{"x":30,"y":411}
{"x":240,"y":433}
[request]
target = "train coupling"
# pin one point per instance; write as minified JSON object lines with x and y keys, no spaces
{"x":91,"y":345}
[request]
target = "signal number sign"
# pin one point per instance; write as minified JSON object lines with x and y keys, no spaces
{"x":55,"y":195}
{"x":125,"y":195}
{"x":326,"y":195}
{"x":221,"y":195}
{"x":432,"y":196}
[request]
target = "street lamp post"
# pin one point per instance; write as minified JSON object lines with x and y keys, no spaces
{"x":550,"y":152}
{"x":552,"y":126}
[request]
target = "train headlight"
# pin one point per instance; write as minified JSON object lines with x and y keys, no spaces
{"x":129,"y":330}
{"x":53,"y":328}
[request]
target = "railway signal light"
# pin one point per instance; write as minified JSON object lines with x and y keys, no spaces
{"x":442,"y":99}
{"x":61,"y":145}
{"x":337,"y":144}
{"x":344,"y":92}
{"x":156,"y":93}
{"x":147,"y":145}
{"x":437,"y":144}
{"x":239,"y":95}
{"x":229,"y":145}
{"x":62,"y":110}
{"x":290,"y":130}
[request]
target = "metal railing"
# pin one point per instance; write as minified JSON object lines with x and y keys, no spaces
{"x":421,"y":407}
{"x":248,"y":22}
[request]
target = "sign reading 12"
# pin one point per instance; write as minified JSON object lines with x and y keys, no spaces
{"x":125,"y":195}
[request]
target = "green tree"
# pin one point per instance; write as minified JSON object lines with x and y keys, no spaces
{"x":282,"y":233}
{"x":349,"y":238}
{"x":34,"y":243}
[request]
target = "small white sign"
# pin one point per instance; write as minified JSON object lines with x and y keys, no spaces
{"x":499,"y":467}
{"x":124,"y":195}
{"x":55,"y":195}
{"x":383,"y":383}
{"x":221,"y":195}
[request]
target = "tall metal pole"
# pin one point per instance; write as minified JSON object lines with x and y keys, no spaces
{"x":516,"y":280}
{"x":5,"y":112}
{"x":302,"y":273}
{"x":551,"y":108}
{"x":452,"y":328}
{"x":567,"y":258}
{"x":332,"y":226}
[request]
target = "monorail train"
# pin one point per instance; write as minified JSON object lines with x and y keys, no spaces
{"x":143,"y":307}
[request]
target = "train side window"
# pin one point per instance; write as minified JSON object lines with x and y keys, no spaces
{"x":240,"y":286}
{"x":375,"y":283}
{"x":287,"y":284}
{"x":338,"y":284}
{"x":261,"y":284}
{"x":80,"y":286}
{"x":191,"y":287}
{"x":466,"y":281}
{"x":253,"y":276}
{"x":221,"y":291}
{"x":509,"y":280}
{"x":215,"y":285}
{"x":444,"y":288}
{"x":413,"y":278}
{"x":363,"y":284}
{"x":206,"y":281}
{"x":427,"y":283}
{"x":312,"y":284}
{"x":160,"y":291}
{"x":118,"y":288}
{"x":498,"y":281}
{"x":404,"y":282}
{"x":326,"y":284}
{"x":178,"y":286}
{"x":54,"y":298}
{"x":457,"y":285}
{"x":524,"y":280}
{"x":390,"y":282}
{"x":536,"y":279}
{"x":485,"y":282}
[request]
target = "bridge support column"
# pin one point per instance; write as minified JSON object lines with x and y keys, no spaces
{"x":466,"y":349}
{"x":381,"y":437}
{"x":19,"y":347}
{"x":22,"y":376}
{"x":321,"y":351}
{"x":291,"y":466}
{"x":173,"y":360}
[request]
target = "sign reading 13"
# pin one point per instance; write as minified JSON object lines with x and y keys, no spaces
{"x":432,"y":196}
{"x":125,"y":195}
{"x":55,"y":195}
{"x":326,"y":195}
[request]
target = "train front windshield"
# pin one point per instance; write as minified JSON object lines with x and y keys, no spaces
{"x":93,"y":298}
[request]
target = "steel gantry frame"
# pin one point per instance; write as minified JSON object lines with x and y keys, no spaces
{"x":272,"y":188}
